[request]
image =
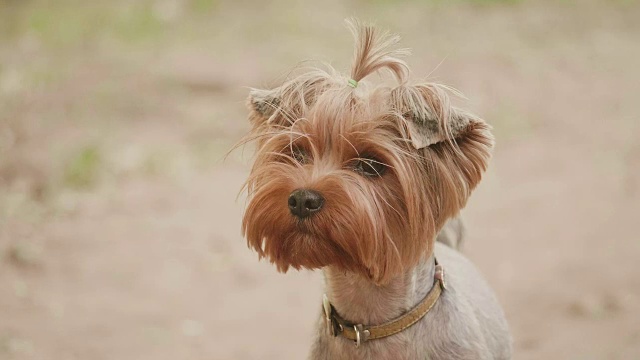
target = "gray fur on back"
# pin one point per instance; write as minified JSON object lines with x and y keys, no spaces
{"x":452,"y":234}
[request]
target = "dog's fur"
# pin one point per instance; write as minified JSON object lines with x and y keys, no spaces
{"x":394,"y":164}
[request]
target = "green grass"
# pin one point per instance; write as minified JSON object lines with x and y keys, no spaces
{"x":139,"y":24}
{"x":63,"y":26}
{"x":448,"y":2}
{"x":68,"y":24}
{"x":202,"y":6}
{"x":82,"y":170}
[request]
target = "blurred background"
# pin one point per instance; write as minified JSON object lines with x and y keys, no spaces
{"x":119,"y":223}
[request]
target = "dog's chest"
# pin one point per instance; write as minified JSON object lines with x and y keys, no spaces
{"x":397,"y":347}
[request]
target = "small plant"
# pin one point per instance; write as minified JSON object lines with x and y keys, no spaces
{"x":82,"y":170}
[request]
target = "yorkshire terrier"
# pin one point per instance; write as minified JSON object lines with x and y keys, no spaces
{"x":358,"y":180}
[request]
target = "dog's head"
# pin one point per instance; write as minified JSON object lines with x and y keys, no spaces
{"x":356,"y":176}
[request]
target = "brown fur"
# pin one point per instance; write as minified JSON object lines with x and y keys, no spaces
{"x":374,"y":236}
{"x":375,"y":226}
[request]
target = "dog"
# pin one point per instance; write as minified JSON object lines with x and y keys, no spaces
{"x":358,"y":179}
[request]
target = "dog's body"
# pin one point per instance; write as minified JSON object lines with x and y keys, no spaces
{"x":465,"y":323}
{"x":360,"y":181}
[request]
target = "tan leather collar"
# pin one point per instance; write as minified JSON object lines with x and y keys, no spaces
{"x":360,"y":333}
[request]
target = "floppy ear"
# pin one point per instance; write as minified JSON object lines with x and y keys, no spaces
{"x":430,"y":118}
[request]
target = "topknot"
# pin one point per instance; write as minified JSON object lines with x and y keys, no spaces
{"x":374,"y":51}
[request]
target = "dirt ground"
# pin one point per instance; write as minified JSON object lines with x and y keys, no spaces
{"x":119,"y":222}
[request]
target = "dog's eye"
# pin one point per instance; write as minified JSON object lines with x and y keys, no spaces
{"x":369,"y":166}
{"x":300,"y":155}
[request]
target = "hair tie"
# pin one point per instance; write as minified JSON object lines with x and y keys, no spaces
{"x":352,"y":83}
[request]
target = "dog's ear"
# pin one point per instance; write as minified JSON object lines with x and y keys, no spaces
{"x":283,"y":105}
{"x":455,"y":146}
{"x":427,"y":131}
{"x":262,"y":104}
{"x":429,"y":117}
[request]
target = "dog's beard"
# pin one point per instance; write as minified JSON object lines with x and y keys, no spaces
{"x":352,"y":231}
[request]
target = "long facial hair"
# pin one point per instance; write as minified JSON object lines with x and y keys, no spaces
{"x":314,"y":132}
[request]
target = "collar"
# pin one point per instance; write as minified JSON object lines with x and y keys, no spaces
{"x":361,"y":333}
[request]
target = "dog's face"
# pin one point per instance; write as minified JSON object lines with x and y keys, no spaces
{"x":361,"y":180}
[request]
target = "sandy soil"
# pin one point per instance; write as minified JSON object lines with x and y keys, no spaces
{"x":119,"y":222}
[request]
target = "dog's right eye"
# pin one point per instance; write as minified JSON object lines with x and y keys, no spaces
{"x":300,"y":155}
{"x":369,"y":166}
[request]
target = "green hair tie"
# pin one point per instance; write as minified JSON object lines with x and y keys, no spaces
{"x":352,"y":83}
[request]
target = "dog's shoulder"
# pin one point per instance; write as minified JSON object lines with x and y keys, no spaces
{"x":467,"y":317}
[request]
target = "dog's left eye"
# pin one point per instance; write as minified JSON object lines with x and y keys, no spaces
{"x":369,"y":166}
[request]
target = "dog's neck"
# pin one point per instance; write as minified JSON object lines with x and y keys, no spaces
{"x":359,"y":300}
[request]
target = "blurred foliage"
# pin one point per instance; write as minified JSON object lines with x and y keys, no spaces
{"x":73,"y":70}
{"x":444,"y":2}
{"x":71,"y":22}
{"x":68,"y":22}
{"x":82,"y":169}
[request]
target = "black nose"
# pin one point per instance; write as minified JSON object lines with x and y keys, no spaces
{"x":304,"y":202}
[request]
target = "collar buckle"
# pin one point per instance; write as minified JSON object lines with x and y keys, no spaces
{"x":362,"y":335}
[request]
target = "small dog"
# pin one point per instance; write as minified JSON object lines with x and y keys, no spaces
{"x":358,"y":180}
